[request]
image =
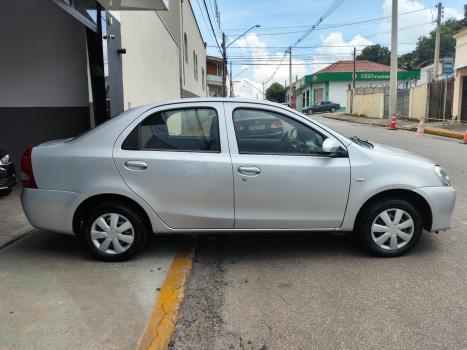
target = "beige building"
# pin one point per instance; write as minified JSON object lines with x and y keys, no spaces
{"x":459,"y":105}
{"x":165,"y":55}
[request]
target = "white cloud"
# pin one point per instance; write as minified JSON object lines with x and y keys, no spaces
{"x":418,"y":21}
{"x":256,"y":49}
{"x":334,"y":48}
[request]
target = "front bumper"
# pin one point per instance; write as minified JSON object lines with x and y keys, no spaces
{"x":441,"y":201}
{"x":7,"y":176}
{"x":50,"y":210}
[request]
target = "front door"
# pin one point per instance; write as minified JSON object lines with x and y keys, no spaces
{"x":177,"y":159}
{"x":113,"y":40}
{"x":464,"y":99}
{"x":281,"y":178}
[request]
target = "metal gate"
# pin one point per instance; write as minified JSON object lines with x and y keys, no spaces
{"x":436,"y":99}
{"x":403,"y":102}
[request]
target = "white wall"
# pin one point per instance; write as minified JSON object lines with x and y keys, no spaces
{"x":191,"y":82}
{"x":42,"y":56}
{"x":151,"y":64}
{"x":338,"y":92}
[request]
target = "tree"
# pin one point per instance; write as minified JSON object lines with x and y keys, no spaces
{"x":376,"y":53}
{"x":275,"y":93}
{"x":425,"y":48}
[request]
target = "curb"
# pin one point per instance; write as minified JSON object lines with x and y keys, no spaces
{"x":428,"y":130}
{"x":161,"y":324}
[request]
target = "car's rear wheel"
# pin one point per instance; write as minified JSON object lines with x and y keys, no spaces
{"x":114,"y":232}
{"x":333,"y":109}
{"x":390,"y":227}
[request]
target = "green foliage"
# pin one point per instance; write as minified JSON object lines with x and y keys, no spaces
{"x":376,"y":53}
{"x":425,"y":48}
{"x":275,"y":93}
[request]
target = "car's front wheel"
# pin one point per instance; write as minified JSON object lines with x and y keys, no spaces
{"x":333,"y":109}
{"x":390,"y":227}
{"x":114,"y":232}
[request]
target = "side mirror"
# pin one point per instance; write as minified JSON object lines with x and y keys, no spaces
{"x":333,"y":148}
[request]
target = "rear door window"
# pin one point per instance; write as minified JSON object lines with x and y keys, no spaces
{"x":189,"y":130}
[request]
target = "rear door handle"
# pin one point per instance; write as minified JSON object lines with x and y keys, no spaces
{"x":249,"y":170}
{"x":136,"y":164}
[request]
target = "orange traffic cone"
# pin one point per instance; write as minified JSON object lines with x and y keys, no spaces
{"x":465,"y":138}
{"x":392,"y":126}
{"x":421,"y":128}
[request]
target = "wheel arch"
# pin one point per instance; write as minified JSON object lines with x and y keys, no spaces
{"x":89,"y":202}
{"x":411,"y":196}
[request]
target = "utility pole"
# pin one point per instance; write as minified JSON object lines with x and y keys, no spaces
{"x":224,"y":67}
{"x":231,"y":81}
{"x":353,"y":79}
{"x":290,"y":69}
{"x":437,"y":42}
{"x":354,"y":67}
{"x":264,"y":96}
{"x":393,"y":70}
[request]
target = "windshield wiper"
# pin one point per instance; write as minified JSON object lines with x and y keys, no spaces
{"x":359,"y":141}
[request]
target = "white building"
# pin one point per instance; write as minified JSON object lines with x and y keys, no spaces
{"x":67,"y":65}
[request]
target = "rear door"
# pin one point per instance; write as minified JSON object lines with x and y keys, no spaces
{"x":177,"y":159}
{"x":281,"y":178}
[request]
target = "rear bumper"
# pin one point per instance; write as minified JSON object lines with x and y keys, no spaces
{"x":441,"y":201}
{"x":50,"y":210}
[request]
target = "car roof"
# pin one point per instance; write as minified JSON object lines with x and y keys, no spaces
{"x":215,"y":99}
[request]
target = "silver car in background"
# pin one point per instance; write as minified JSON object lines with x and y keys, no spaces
{"x":229,"y":165}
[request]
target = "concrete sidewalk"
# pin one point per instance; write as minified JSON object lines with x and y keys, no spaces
{"x":13,"y":222}
{"x":450,"y":130}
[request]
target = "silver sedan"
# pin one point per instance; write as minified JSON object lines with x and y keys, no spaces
{"x":229,"y":165}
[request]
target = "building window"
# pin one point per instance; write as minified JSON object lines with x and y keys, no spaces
{"x":195,"y":65}
{"x":185,"y":47}
{"x":202,"y":78}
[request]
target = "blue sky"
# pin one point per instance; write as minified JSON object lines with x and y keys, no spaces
{"x":265,"y":45}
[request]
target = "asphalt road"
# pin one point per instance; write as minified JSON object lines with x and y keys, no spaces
{"x":319,"y":291}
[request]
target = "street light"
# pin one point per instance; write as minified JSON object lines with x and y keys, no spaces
{"x":224,"y":58}
{"x":255,"y":26}
{"x":232,"y":81}
{"x":261,"y":92}
{"x":236,"y":75}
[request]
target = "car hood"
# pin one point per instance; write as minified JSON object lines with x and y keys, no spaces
{"x":394,"y":151}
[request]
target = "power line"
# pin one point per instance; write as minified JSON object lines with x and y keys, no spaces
{"x":311,"y":47}
{"x":207,"y":26}
{"x":212,"y":28}
{"x":334,"y":25}
{"x":326,"y":14}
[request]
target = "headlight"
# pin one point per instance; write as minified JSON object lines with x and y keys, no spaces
{"x":5,"y":160}
{"x":442,"y":175}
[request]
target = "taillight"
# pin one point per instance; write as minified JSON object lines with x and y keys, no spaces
{"x":27,"y":176}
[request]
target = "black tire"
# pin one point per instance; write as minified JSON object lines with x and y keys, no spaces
{"x":4,"y":193}
{"x":310,"y":111}
{"x":370,"y":213}
{"x":140,"y":228}
{"x":333,"y":109}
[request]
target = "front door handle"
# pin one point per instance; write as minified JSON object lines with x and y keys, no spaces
{"x":249,"y":170}
{"x":136,"y":164}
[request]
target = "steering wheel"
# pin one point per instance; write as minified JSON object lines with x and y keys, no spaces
{"x":284,"y":137}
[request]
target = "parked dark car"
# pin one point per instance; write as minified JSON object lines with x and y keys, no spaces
{"x":323,"y":106}
{"x":7,"y":173}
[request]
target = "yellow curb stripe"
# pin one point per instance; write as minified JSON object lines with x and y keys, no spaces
{"x":162,"y":322}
